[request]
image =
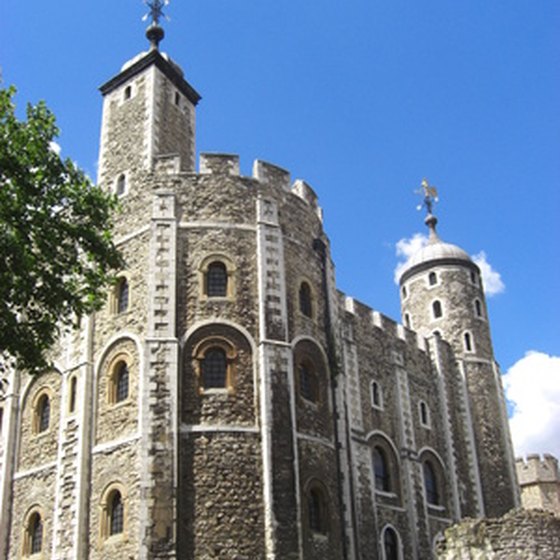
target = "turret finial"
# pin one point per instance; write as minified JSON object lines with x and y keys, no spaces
{"x":430,"y":197}
{"x":154,"y":32}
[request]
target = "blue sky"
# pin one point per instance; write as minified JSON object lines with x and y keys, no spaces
{"x":362,"y":99}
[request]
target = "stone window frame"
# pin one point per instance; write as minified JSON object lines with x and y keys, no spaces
{"x":115,"y":299}
{"x":105,"y":501}
{"x":429,"y":458}
{"x":232,"y":356}
{"x":424,"y":414}
{"x":203,"y":272}
{"x":305,"y":360}
{"x":433,"y":312}
{"x":37,"y":410}
{"x":312,"y":302}
{"x":399,"y":543}
{"x":468,"y":342}
{"x":72,"y":393}
{"x":432,"y":279}
{"x":316,"y":496}
{"x":27,"y":535}
{"x":376,"y":395}
{"x":479,"y":311}
{"x":389,"y":453}
{"x":407,"y":321}
{"x":113,"y":371}
{"x":120,"y":187}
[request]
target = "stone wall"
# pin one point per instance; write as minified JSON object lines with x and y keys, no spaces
{"x":539,"y":480}
{"x":519,"y":535}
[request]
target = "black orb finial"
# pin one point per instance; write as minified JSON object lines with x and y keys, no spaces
{"x":155,"y":32}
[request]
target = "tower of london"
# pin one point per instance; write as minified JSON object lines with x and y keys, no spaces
{"x":229,"y":401}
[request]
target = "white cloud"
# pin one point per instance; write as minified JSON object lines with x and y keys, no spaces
{"x":405,"y":248}
{"x":532,"y":387}
{"x":491,"y":278}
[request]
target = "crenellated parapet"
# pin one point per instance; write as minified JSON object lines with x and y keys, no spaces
{"x":535,"y":469}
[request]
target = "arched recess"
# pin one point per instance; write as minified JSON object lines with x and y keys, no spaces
{"x":217,"y":381}
{"x":316,"y":508}
{"x":39,"y":420}
{"x":385,"y":468}
{"x":113,"y":511}
{"x":390,"y":543}
{"x":117,"y":407}
{"x":434,"y":479}
{"x":311,"y":382}
{"x":34,"y":533}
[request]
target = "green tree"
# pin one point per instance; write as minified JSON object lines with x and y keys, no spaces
{"x":57,"y":255}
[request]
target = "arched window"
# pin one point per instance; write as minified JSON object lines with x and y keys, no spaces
{"x":381,"y":473}
{"x":478,"y":307}
{"x":430,"y":483}
{"x":34,"y":535}
{"x":424,"y":414}
{"x":376,"y":395}
{"x":121,"y":382}
{"x":305,"y":303}
{"x":432,"y":278}
{"x":116,"y":514}
{"x":72,"y":394}
{"x":391,"y":544}
{"x":468,"y":342}
{"x":308,"y":382}
{"x":317,"y":510}
{"x":216,"y":279}
{"x":436,"y":308}
{"x":214,"y":368}
{"x":121,"y":293}
{"x":121,"y":185}
{"x":43,"y":413}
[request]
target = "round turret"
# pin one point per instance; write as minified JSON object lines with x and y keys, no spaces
{"x":441,"y":292}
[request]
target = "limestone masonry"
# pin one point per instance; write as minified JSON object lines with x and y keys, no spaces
{"x":229,"y":402}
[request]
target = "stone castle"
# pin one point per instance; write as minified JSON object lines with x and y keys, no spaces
{"x":539,"y":480}
{"x":229,"y":402}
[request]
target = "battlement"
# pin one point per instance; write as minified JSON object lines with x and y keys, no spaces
{"x":386,"y":324}
{"x":534,"y":469}
{"x":263,"y":172}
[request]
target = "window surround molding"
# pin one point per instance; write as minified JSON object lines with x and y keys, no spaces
{"x":312,"y":299}
{"x":112,"y":374}
{"x":105,"y":500}
{"x":468,"y":342}
{"x":379,"y":405}
{"x":36,"y":411}
{"x":479,"y":311}
{"x":203,"y":271}
{"x":432,"y":279}
{"x":72,"y":395}
{"x":115,"y":295}
{"x":121,"y":184}
{"x":314,"y":485}
{"x":198,"y":355}
{"x":390,"y":527}
{"x":432,"y":310}
{"x":424,"y":414}
{"x":26,"y":539}
{"x":428,"y":455}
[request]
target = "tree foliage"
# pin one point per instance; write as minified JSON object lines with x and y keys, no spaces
{"x":57,"y":255}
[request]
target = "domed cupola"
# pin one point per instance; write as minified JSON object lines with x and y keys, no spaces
{"x":441,"y":291}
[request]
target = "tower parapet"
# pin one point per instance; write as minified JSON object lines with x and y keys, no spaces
{"x":539,"y":480}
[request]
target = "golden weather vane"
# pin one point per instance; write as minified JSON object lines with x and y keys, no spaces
{"x":429,"y":192}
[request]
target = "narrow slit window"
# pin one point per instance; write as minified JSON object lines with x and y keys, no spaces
{"x":127,"y":93}
{"x":376,"y":395}
{"x":437,"y":309}
{"x":468,"y":342}
{"x":381,"y":474}
{"x":122,"y":295}
{"x":478,"y":307}
{"x":72,"y":398}
{"x":432,"y":278}
{"x":424,"y":414}
{"x":121,"y":185}
{"x":44,"y":414}
{"x":305,"y":305}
